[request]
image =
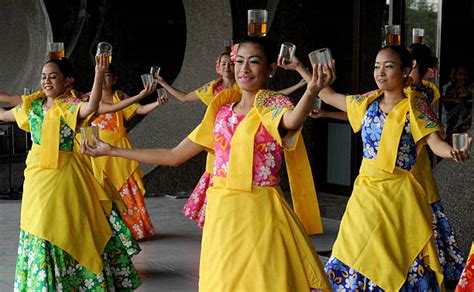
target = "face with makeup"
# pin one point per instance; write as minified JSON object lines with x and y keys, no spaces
{"x":53,"y":81}
{"x":226,"y":67}
{"x":389,"y":73}
{"x":252,"y":68}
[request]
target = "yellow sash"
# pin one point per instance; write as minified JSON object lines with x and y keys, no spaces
{"x":387,"y":224}
{"x":51,"y":124}
{"x":240,"y":171}
{"x":206,"y":92}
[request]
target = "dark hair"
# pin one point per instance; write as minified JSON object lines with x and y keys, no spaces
{"x":268,"y":46}
{"x":423,"y":56}
{"x":405,"y":56}
{"x":65,"y":67}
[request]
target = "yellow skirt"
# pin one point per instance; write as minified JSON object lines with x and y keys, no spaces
{"x":253,"y":241}
{"x":67,"y":207}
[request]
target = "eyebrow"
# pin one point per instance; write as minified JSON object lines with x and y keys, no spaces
{"x":253,"y":56}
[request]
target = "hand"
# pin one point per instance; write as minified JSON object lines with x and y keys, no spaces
{"x":102,"y":149}
{"x":159,"y":79}
{"x":323,"y":76}
{"x":462,"y":155}
{"x":317,"y":114}
{"x":101,"y":63}
{"x":288,"y":66}
{"x":149,"y":89}
{"x":162,"y":99}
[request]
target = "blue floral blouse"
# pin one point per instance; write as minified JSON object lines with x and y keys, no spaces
{"x":372,"y":126}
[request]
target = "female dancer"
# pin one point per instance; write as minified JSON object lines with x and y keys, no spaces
{"x":125,"y":175}
{"x":252,"y":240}
{"x":71,"y":237}
{"x":386,"y":239}
{"x":195,"y":206}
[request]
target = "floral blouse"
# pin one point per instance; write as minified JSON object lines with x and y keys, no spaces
{"x":372,"y":126}
{"x":36,"y":118}
{"x":267,"y":152}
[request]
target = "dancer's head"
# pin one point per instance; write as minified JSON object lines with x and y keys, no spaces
{"x":57,"y":76}
{"x":392,"y":67}
{"x":224,"y":66}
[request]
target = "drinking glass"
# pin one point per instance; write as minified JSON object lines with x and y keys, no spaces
{"x":392,"y":35}
{"x":228,"y":46}
{"x":287,"y":51}
{"x":155,"y":71}
{"x":317,"y":104}
{"x":146,"y":78}
{"x":162,"y":93}
{"x":104,"y":48}
{"x":257,"y":22}
{"x":460,"y":141}
{"x":322,"y":56}
{"x":418,"y":35}
{"x":56,"y":50}
{"x":91,"y":135}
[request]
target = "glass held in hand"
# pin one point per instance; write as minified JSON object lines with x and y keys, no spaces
{"x":91,"y":135}
{"x":146,"y":78}
{"x":162,"y":93}
{"x":104,"y":48}
{"x":322,"y":56}
{"x":317,"y":104}
{"x":287,"y":51}
{"x":460,"y":141}
{"x":155,"y":71}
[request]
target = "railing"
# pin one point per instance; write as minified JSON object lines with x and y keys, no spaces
{"x":14,"y":147}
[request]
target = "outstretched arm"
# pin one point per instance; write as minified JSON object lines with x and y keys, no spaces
{"x":147,"y":108}
{"x":293,"y":119}
{"x":293,"y":88}
{"x":101,"y":64}
{"x":444,"y":150}
{"x":327,"y":94}
{"x":6,"y":116}
{"x":320,"y":114}
{"x":13,"y":100}
{"x":181,"y":96}
{"x":160,"y":156}
{"x":106,"y":107}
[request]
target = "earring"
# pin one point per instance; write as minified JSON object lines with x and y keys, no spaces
{"x":270,"y":75}
{"x":404,"y":75}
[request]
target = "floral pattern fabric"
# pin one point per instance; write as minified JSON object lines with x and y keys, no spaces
{"x":195,"y":207}
{"x":420,"y":277}
{"x":136,"y":217}
{"x":36,"y":118}
{"x":372,"y":126}
{"x":42,"y":266}
{"x":267,"y":152}
{"x":466,"y":282}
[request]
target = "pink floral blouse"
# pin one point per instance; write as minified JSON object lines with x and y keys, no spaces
{"x":267,"y":152}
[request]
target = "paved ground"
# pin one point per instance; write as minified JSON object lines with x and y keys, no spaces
{"x":169,"y":262}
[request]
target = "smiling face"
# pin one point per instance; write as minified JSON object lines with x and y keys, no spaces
{"x":226,"y":67}
{"x":109,"y":80}
{"x":388,"y":72}
{"x":53,"y":82}
{"x":251,"y":67}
